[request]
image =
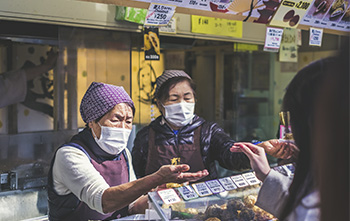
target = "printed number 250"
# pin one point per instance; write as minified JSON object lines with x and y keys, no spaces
{"x":160,"y":16}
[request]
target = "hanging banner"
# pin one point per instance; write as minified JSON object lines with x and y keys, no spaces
{"x":216,"y":26}
{"x":267,"y":12}
{"x":242,"y":8}
{"x":330,"y":14}
{"x":289,"y":49}
{"x":151,"y":43}
{"x":159,"y":14}
{"x":273,"y":39}
{"x":316,"y":37}
{"x":290,"y":13}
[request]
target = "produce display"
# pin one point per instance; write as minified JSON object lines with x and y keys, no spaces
{"x":240,"y":209}
{"x":230,"y":198}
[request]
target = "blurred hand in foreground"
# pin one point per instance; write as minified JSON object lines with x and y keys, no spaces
{"x":257,"y":157}
{"x":278,"y":148}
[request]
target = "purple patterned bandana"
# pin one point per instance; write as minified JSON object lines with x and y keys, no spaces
{"x":168,"y":74}
{"x":101,"y":98}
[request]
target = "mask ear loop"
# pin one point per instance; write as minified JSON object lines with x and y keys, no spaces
{"x":163,"y":107}
{"x":93,"y":132}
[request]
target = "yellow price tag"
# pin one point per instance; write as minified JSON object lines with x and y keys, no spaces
{"x":216,"y":26}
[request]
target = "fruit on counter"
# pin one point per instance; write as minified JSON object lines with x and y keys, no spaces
{"x":233,"y":210}
{"x":173,"y":185}
{"x":235,"y":205}
{"x":249,"y":201}
{"x":214,"y":211}
{"x":246,"y":214}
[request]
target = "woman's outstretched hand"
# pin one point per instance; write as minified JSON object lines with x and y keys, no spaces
{"x":257,"y":157}
{"x":179,"y":174}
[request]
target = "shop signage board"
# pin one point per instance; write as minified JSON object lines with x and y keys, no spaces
{"x":151,"y":43}
{"x":216,"y":26}
{"x":290,"y":13}
{"x":262,"y":11}
{"x":159,"y":14}
{"x":211,"y":5}
{"x":315,"y":36}
{"x":273,"y":39}
{"x":242,"y":8}
{"x":330,"y":14}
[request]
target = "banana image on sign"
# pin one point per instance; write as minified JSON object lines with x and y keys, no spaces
{"x":151,"y":43}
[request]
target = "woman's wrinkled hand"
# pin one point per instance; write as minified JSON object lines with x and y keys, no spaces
{"x":179,"y":174}
{"x":257,"y":157}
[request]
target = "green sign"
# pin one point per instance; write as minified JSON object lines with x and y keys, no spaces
{"x":136,"y":15}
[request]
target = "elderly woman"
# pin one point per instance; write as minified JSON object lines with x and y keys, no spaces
{"x":180,"y":136}
{"x":92,"y":177}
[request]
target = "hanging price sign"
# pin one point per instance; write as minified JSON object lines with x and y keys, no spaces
{"x":159,"y":14}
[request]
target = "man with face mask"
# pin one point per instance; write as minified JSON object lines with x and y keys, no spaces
{"x":92,"y":177}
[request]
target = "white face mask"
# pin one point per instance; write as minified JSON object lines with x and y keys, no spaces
{"x":112,"y":140}
{"x":179,"y":114}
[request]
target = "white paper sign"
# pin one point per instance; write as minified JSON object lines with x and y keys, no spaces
{"x":316,"y":36}
{"x":215,"y":186}
{"x":202,"y":189}
{"x":159,"y":14}
{"x":169,"y":196}
{"x":239,"y":181}
{"x":187,"y":192}
{"x":251,"y":178}
{"x":227,"y":183}
{"x":170,"y":27}
{"x":273,"y":39}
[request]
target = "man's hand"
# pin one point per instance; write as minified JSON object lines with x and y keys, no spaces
{"x":178,"y":174}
